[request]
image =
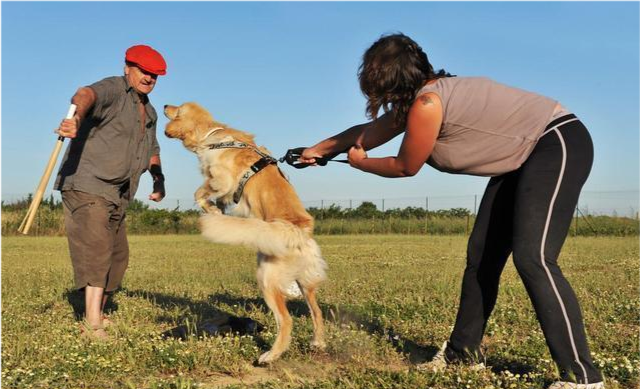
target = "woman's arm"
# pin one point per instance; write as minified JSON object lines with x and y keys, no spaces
{"x":370,"y":135}
{"x":423,"y":127}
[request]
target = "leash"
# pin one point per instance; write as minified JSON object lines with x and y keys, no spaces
{"x":293,"y":155}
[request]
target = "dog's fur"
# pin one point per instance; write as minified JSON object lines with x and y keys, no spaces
{"x":269,"y":217}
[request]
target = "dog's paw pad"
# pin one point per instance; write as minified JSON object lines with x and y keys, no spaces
{"x":293,"y":290}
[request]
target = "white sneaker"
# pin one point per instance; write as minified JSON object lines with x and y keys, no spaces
{"x":573,"y":385}
{"x":439,"y":362}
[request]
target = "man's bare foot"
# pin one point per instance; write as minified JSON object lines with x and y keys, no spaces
{"x":90,"y":332}
{"x":106,"y":322}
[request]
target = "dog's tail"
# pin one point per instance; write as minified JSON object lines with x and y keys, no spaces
{"x":277,"y":237}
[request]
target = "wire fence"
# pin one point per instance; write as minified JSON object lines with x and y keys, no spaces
{"x":592,"y":203}
{"x":624,"y":203}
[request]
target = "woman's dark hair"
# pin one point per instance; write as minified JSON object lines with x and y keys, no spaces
{"x":393,"y":69}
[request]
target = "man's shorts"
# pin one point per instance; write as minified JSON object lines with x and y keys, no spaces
{"x":97,"y":239}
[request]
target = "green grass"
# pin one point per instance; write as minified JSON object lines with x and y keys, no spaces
{"x":390,"y":302}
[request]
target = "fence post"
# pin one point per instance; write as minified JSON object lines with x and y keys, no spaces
{"x":468,"y":216}
{"x":426,"y":216}
{"x":575,"y":232}
{"x":382,"y":205}
{"x":475,"y":203}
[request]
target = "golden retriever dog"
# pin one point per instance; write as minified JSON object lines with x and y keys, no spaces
{"x":268,"y":215}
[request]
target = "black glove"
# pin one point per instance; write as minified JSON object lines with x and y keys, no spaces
{"x":158,"y":184}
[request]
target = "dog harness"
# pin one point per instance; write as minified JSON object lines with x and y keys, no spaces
{"x":263,"y":162}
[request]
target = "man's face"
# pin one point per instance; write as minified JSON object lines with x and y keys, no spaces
{"x":141,"y":80}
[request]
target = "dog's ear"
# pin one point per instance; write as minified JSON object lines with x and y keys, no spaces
{"x":170,"y":111}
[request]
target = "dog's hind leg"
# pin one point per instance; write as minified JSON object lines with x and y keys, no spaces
{"x":276,"y":301}
{"x":316,"y":317}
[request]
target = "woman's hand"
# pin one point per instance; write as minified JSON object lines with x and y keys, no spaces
{"x":356,"y":155}
{"x":309,"y":155}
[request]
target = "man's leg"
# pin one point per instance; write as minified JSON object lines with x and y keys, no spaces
{"x":120,"y":252}
{"x":90,"y":246}
{"x":93,"y":306}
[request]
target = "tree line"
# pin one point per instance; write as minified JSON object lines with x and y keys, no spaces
{"x":364,"y":219}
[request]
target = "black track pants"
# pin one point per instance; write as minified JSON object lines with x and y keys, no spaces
{"x":528,"y":212}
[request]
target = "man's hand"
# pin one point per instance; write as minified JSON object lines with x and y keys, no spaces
{"x":84,"y":99}
{"x":69,"y":127}
{"x":156,"y":196}
{"x":356,"y":155}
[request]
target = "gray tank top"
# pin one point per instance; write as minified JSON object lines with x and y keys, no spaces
{"x":487,"y":128}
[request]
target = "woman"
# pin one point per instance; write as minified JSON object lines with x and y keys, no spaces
{"x":538,"y":156}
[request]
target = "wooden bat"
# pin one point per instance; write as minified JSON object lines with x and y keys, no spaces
{"x":37,"y":197}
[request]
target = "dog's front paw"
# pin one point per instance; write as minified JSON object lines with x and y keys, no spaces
{"x":203,"y":203}
{"x":208,"y":207}
{"x":267,"y":358}
{"x":213,"y":210}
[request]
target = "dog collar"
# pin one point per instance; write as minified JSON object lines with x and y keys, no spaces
{"x":211,"y":132}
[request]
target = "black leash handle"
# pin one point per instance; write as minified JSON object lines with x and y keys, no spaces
{"x":293,"y":155}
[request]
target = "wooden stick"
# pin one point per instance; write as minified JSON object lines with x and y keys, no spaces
{"x":42,"y":186}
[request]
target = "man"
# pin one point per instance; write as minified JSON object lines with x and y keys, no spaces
{"x":113,"y":141}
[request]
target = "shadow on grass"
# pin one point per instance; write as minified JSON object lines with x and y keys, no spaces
{"x":212,"y":321}
{"x":345,"y":316}
{"x":198,"y":318}
{"x":342,"y":316}
{"x":514,"y":366}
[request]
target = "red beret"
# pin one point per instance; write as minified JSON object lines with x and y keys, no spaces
{"x":147,"y":59}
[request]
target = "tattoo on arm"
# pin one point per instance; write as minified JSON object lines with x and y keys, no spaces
{"x":426,"y":100}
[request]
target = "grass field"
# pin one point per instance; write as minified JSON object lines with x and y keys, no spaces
{"x":390,"y":302}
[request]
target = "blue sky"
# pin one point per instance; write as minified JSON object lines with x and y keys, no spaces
{"x":286,"y":71}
